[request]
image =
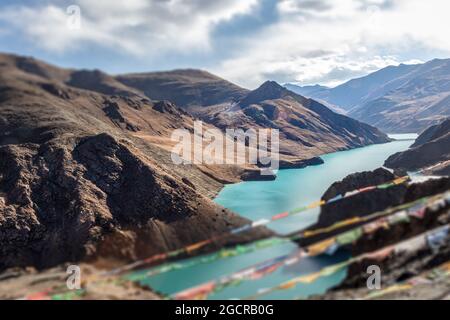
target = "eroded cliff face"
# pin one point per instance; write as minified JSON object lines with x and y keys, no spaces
{"x":58,"y":202}
{"x":85,"y":174}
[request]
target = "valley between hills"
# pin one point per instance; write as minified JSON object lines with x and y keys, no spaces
{"x":86,"y":174}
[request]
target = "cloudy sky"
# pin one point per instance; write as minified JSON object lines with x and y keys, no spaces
{"x":245,"y":41}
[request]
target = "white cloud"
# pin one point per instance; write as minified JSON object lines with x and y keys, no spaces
{"x":324,"y":41}
{"x":329,"y":41}
{"x":137,"y":27}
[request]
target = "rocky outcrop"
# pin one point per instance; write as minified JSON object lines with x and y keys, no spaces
{"x":396,"y":266}
{"x":85,"y":175}
{"x":357,"y":181}
{"x":431,"y":148}
{"x":432,"y":133}
{"x":168,"y":107}
{"x":112,"y":110}
{"x":360,"y":204}
{"x":300,"y":164}
{"x":366,"y":203}
{"x":59,"y":203}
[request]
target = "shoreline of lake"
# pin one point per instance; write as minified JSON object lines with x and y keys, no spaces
{"x":259,"y":200}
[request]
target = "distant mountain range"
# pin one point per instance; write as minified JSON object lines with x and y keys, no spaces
{"x":397,"y":99}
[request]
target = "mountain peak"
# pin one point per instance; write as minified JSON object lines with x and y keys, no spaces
{"x":270,"y":84}
{"x":269,"y":90}
{"x":272,"y":88}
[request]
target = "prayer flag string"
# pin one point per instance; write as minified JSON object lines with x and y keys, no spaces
{"x":327,"y":271}
{"x":329,"y":246}
{"x":196,"y":246}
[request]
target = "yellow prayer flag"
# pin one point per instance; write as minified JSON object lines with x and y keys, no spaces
{"x":309,"y":278}
{"x":338,"y":225}
{"x":320,"y":247}
{"x":288,"y":285}
{"x":197,"y":246}
{"x":446,"y":267}
{"x":400,"y":180}
{"x":316,"y":204}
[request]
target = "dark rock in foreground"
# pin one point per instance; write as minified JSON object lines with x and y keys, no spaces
{"x":360,"y":204}
{"x":396,"y":267}
{"x":366,"y":203}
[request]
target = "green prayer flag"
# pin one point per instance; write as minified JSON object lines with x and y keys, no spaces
{"x":349,"y":236}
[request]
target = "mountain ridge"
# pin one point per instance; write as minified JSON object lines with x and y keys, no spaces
{"x":396,"y":99}
{"x":431,"y":149}
{"x":184,"y":87}
{"x":307,"y":128}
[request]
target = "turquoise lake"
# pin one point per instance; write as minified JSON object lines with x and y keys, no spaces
{"x":257,"y":200}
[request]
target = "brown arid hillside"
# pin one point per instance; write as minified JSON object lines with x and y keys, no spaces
{"x":307,"y":128}
{"x":434,"y":132}
{"x":431,"y":152}
{"x":186,"y":88}
{"x":79,"y":179}
{"x":86,"y":169}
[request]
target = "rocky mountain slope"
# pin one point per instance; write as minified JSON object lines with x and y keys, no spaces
{"x":404,"y":98}
{"x":376,"y":200}
{"x":307,"y":91}
{"x":82,"y":174}
{"x":432,"y":133}
{"x":86,"y":169}
{"x":431,"y":149}
{"x":360,"y":90}
{"x":186,"y":88}
{"x":307,"y":128}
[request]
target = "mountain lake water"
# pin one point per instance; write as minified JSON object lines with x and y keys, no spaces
{"x":293,"y":188}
